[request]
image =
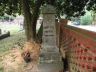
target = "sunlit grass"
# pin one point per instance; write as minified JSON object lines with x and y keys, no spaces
{"x":16,"y":37}
{"x":37,"y":27}
{"x":12,"y":28}
{"x":8,"y":43}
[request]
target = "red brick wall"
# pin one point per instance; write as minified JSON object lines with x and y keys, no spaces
{"x":80,"y":47}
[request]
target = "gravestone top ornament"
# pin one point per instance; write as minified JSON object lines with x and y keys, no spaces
{"x":49,"y":9}
{"x":49,"y":30}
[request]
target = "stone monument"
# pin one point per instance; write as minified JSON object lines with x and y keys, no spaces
{"x":49,"y":58}
{"x":49,"y":30}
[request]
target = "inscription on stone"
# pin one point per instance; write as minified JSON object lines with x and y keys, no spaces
{"x":49,"y":31}
{"x":49,"y":28}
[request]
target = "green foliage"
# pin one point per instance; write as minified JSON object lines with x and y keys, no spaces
{"x":91,"y":5}
{"x":10,"y":7}
{"x":69,"y":7}
{"x":86,"y":19}
{"x":75,"y":19}
{"x":1,"y":69}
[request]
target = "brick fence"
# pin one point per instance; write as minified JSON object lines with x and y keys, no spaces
{"x":80,"y":47}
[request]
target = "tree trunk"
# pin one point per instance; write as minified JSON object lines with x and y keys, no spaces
{"x":93,"y":21}
{"x":27,"y":21}
{"x":30,"y":19}
{"x":28,"y":31}
{"x":36,"y":14}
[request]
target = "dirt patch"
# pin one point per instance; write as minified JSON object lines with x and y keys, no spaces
{"x":33,"y":48}
{"x":13,"y":62}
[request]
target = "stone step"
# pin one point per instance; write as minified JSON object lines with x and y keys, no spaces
{"x":49,"y":57}
{"x":50,"y":67}
{"x":50,"y":62}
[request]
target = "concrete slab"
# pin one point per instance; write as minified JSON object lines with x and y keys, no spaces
{"x":50,"y":67}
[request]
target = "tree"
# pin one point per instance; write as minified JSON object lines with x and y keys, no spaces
{"x":86,"y":19}
{"x":31,"y":10}
{"x":92,"y":8}
{"x":93,"y":14}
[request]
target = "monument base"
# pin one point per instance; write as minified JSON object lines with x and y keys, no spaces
{"x":49,"y":57}
{"x":50,"y":61}
{"x":49,"y":49}
{"x":49,"y":53}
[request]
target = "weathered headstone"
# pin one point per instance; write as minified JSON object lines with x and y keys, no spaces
{"x":21,"y":27}
{"x":49,"y":29}
{"x":0,"y":31}
{"x":49,"y":58}
{"x":2,"y":36}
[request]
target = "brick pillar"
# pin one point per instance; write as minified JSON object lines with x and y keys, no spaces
{"x":63,"y":21}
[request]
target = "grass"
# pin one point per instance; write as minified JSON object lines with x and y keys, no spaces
{"x":0,"y":25}
{"x":1,"y":69}
{"x":16,"y":38}
{"x":11,"y":70}
{"x":12,"y":28}
{"x":37,"y":27}
{"x":7,"y":44}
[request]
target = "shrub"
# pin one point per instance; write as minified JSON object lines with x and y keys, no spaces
{"x":86,"y":19}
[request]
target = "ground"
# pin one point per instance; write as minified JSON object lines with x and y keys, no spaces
{"x":13,"y":61}
{"x":11,"y":49}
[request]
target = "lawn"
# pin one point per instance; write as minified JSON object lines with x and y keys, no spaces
{"x":37,"y":27}
{"x":15,"y":38}
{"x":0,"y":26}
{"x":7,"y":44}
{"x":12,"y":28}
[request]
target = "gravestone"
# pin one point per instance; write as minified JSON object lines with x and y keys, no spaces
{"x":49,"y":57}
{"x":21,"y":26}
{"x":2,"y":36}
{"x":49,"y":29}
{"x":0,"y":32}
